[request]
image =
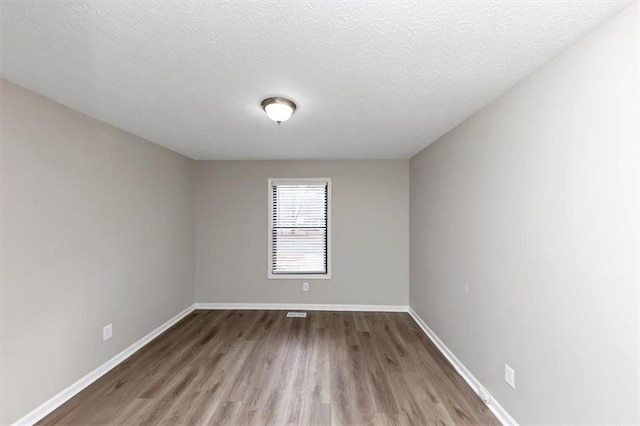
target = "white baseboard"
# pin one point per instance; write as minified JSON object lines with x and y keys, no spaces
{"x":475,"y":384}
{"x":62,"y":397}
{"x":301,"y":307}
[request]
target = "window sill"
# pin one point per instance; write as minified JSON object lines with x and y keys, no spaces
{"x":306,"y":277}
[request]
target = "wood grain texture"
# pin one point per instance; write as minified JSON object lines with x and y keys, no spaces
{"x":259,"y":367}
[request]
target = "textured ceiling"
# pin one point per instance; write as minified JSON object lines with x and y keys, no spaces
{"x":371,"y":79}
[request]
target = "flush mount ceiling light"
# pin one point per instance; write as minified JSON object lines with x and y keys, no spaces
{"x":278,"y":109}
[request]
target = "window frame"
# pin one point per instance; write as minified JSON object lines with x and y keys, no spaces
{"x":296,"y":181}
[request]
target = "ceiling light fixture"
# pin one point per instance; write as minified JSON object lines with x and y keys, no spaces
{"x":278,"y":109}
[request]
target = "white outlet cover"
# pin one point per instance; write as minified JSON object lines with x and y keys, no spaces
{"x":107,"y":332}
{"x":305,"y":286}
{"x":510,"y":376}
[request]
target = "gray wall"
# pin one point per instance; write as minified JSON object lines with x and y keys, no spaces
{"x":97,"y":227}
{"x":370,"y":221}
{"x":524,"y":236}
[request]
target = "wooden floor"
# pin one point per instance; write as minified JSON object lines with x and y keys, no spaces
{"x":259,"y":367}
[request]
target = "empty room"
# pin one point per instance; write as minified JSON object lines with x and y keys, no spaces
{"x":319,"y":212}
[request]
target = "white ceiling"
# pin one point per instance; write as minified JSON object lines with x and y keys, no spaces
{"x":371,"y":79}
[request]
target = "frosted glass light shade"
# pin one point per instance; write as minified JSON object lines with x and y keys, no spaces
{"x":278,"y":109}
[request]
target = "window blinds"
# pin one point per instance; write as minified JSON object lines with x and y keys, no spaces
{"x":299,"y":228}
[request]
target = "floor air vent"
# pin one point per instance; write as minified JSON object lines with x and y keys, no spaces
{"x":296,"y":314}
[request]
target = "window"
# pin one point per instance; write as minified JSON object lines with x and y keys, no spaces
{"x":299,"y":228}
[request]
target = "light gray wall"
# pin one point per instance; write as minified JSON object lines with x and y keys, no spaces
{"x":97,"y":228}
{"x":370,"y":221}
{"x":524,"y":236}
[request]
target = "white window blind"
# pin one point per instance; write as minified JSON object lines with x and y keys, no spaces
{"x":299,"y":227}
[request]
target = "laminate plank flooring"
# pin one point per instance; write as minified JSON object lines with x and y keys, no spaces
{"x":259,"y":368}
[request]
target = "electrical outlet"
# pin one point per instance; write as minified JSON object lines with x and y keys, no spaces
{"x":107,"y":332}
{"x":305,"y":286}
{"x":510,"y":376}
